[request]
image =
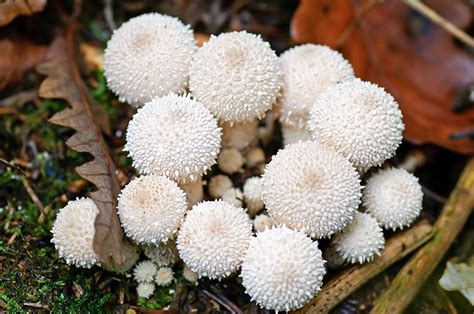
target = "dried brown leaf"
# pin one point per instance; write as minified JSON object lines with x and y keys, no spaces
{"x":17,"y":57}
{"x":63,"y":80}
{"x":10,"y":9}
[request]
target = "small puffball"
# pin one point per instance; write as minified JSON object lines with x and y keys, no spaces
{"x":255,"y":156}
{"x":308,"y":70}
{"x":164,"y":276}
{"x":162,"y":254}
{"x":174,"y":136}
{"x":359,"y":120}
{"x":151,"y":208}
{"x":262,"y":222}
{"x":145,"y":289}
{"x":189,"y":275}
{"x":144,"y":271}
{"x":230,"y":161}
{"x":239,"y":135}
{"x":73,"y":232}
{"x":218,"y":185}
{"x":283,"y":269}
{"x":293,"y":134}
{"x":237,"y":76}
{"x":214,"y":238}
{"x":149,"y":56}
{"x":233,"y":196}
{"x":194,"y":191}
{"x":394,"y":197}
{"x":360,"y":241}
{"x":311,"y":188}
{"x":253,"y":195}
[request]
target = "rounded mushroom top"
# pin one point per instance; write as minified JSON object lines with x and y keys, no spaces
{"x":283,"y":269}
{"x":309,"y":187}
{"x":214,"y":238}
{"x":73,"y":232}
{"x":144,"y":271}
{"x":358,"y":119}
{"x":151,"y":209}
{"x":393,"y":197}
{"x":308,"y":70}
{"x":149,"y":56}
{"x":236,"y":75}
{"x":173,"y":136}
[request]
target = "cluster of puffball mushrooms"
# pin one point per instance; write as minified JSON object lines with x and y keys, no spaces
{"x":221,"y":104}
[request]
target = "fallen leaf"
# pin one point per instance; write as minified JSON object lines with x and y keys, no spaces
{"x":10,"y":9}
{"x":63,"y":80}
{"x":459,"y":277}
{"x":17,"y":57}
{"x":92,"y":56}
{"x":415,"y":60}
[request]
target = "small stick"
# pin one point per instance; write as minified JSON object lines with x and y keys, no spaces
{"x":414,"y":274}
{"x":434,"y":17}
{"x":351,"y":279}
{"x":32,"y":194}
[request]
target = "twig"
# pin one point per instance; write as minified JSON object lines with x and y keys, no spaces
{"x":434,"y":17}
{"x":32,"y":194}
{"x":351,"y":279}
{"x":109,"y":14}
{"x":415,"y":273}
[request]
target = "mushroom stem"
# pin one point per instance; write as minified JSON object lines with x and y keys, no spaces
{"x":415,"y":273}
{"x":356,"y":276}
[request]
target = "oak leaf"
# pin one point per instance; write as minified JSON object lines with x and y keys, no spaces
{"x":415,"y":60}
{"x":10,"y":9}
{"x":63,"y":81}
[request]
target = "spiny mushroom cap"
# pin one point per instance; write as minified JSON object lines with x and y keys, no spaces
{"x":145,"y":289}
{"x":253,"y":195}
{"x":255,"y":156}
{"x":164,"y":276}
{"x":360,"y":241}
{"x":162,"y":254}
{"x":283,"y":269}
{"x":230,"y":160}
{"x":233,"y":196}
{"x":292,"y":134}
{"x":144,"y":271}
{"x":239,"y":135}
{"x":308,"y":70}
{"x":218,"y":185}
{"x":189,"y":275}
{"x":194,"y":191}
{"x":360,"y":120}
{"x":262,"y":222}
{"x":309,"y":187}
{"x":149,"y":56}
{"x":73,"y":232}
{"x":236,"y":75}
{"x":173,"y":136}
{"x":214,"y":238}
{"x":393,"y":197}
{"x":151,"y":209}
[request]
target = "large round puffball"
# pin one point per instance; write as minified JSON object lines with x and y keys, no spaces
{"x":237,"y":76}
{"x":283,"y":269}
{"x":174,"y":136}
{"x":73,"y":232}
{"x":393,"y":197}
{"x":214,"y":238}
{"x":311,"y":188}
{"x":151,"y":209}
{"x":308,"y":70}
{"x":358,"y":119}
{"x":149,"y":56}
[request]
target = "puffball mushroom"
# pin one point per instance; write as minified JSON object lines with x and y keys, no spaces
{"x":393,"y":197}
{"x":149,"y":56}
{"x":255,"y":156}
{"x":230,"y":161}
{"x":239,"y":135}
{"x":73,"y":232}
{"x":233,"y":196}
{"x":151,"y":208}
{"x":145,"y":289}
{"x":308,"y":70}
{"x":194,"y":191}
{"x":253,"y":195}
{"x":164,"y":276}
{"x":189,"y":275}
{"x":360,"y":241}
{"x":358,"y":119}
{"x":214,"y":238}
{"x":292,"y":134}
{"x":262,"y":222}
{"x":283,"y":269}
{"x":173,"y":136}
{"x":218,"y":185}
{"x":144,"y":271}
{"x":162,"y":254}
{"x":311,"y":188}
{"x":236,"y":75}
